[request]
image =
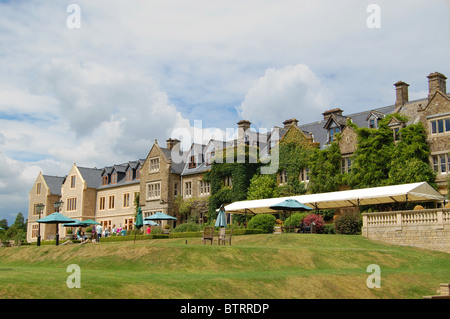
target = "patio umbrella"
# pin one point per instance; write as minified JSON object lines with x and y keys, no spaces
{"x":56,"y":218}
{"x":139,"y":221}
{"x":90,"y":222}
{"x":150,"y":222}
{"x":221,"y":220}
{"x":290,"y":205}
{"x":77,"y":223}
{"x":159,"y":216}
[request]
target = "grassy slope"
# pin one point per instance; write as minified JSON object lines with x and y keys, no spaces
{"x":255,"y":266}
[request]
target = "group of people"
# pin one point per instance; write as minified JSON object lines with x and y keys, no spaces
{"x":99,"y":232}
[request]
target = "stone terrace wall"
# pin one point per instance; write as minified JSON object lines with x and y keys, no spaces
{"x":427,"y":228}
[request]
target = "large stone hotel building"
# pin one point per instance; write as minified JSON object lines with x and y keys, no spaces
{"x":108,"y":195}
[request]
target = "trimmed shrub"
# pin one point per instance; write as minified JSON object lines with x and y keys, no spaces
{"x":265,"y":222}
{"x":187,"y":227}
{"x":329,"y":229}
{"x":349,"y":223}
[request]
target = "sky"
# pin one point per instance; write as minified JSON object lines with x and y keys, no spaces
{"x":96,"y":83}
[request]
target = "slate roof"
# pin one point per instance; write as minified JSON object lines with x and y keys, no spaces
{"x":54,"y":183}
{"x":122,"y":168}
{"x":92,"y":176}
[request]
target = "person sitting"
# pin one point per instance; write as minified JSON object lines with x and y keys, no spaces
{"x":301,"y":225}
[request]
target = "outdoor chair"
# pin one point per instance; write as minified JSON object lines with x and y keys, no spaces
{"x":222,"y":231}
{"x":225,"y":237}
{"x":208,"y":234}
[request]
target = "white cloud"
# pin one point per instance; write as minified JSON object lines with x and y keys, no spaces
{"x":281,"y":94}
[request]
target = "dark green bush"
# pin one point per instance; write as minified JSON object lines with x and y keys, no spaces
{"x":265,"y":222}
{"x":188,"y":227}
{"x":329,"y":229}
{"x":348,"y":223}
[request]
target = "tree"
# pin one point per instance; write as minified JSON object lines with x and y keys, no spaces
{"x":19,"y":223}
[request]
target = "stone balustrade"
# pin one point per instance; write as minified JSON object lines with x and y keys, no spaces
{"x":426,"y":228}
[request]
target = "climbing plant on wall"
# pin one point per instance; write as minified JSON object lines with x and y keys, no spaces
{"x":230,"y":178}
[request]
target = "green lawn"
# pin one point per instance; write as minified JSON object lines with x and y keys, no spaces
{"x":282,"y":266}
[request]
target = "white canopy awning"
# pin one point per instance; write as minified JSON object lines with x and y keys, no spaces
{"x":415,"y":192}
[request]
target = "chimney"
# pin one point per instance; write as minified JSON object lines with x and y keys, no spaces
{"x":436,"y":82}
{"x":173,"y":142}
{"x":243,"y":126}
{"x":327,"y":114}
{"x":401,"y":91}
{"x":290,"y":122}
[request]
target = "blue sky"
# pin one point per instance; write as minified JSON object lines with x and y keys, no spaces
{"x":135,"y":71}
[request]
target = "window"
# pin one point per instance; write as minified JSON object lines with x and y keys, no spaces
{"x":38,"y":188}
{"x":441,"y":163}
{"x":71,"y":204}
{"x":396,"y":134}
{"x":332,"y":132}
{"x":154,"y":164}
{"x":35,"y":209}
{"x":209,"y":157}
{"x":128,"y":224}
{"x":105,"y":180}
{"x":175,"y":189}
{"x":228,"y":181}
{"x":126,"y":200}
{"x":192,"y":163}
{"x":111,"y":202}
{"x":304,"y":175}
{"x":102,"y":203}
{"x":129,"y":176}
{"x":188,"y":189}
{"x":283,"y":177}
{"x":34,"y":230}
{"x":114,"y":178}
{"x":205,"y":188}
{"x":138,"y":174}
{"x":440,"y":126}
{"x":154,"y":190}
{"x":72,"y":181}
{"x":346,"y":165}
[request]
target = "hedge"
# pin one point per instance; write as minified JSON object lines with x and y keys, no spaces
{"x":162,"y":236}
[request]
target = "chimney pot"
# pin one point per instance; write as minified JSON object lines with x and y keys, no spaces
{"x":401,"y":91}
{"x":290,"y":122}
{"x":436,"y":82}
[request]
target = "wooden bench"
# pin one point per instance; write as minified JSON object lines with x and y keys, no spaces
{"x":208,"y":234}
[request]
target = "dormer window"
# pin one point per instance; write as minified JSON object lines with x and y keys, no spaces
{"x":138,"y":173}
{"x":129,"y":175}
{"x":114,"y":178}
{"x":192,"y":162}
{"x":332,"y":132}
{"x":105,"y":180}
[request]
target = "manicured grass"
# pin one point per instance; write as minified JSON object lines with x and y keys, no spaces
{"x":255,"y":266}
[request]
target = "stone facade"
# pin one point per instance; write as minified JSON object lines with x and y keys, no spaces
{"x":42,"y":193}
{"x":167,"y":172}
{"x":159,"y":179}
